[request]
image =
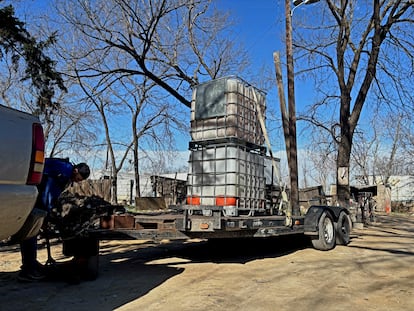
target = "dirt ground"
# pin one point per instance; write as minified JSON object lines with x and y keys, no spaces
{"x":374,"y":272}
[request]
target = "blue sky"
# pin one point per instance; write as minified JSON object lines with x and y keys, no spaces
{"x":259,"y":26}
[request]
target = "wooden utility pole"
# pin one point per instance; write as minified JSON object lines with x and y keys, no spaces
{"x":282,"y":101}
{"x":292,"y":154}
{"x":289,"y":118}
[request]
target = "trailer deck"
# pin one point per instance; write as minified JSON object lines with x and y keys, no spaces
{"x":173,"y":225}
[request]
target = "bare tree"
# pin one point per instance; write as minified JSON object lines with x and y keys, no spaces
{"x":61,"y":117}
{"x":384,"y":153}
{"x":105,"y":108}
{"x":140,"y":58}
{"x":320,"y":153}
{"x":407,"y":143}
{"x":64,"y":127}
{"x":174,"y":43}
{"x":358,"y":46}
{"x":151,"y":119}
{"x":397,"y":160}
{"x":11,"y":86}
{"x":71,"y":127}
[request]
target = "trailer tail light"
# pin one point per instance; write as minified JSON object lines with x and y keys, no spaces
{"x":38,"y":155}
{"x":226,"y":201}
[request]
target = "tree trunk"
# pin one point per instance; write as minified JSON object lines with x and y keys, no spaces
{"x":344,"y":153}
{"x":136,"y":170}
{"x":114,"y":180}
{"x":342,"y":180}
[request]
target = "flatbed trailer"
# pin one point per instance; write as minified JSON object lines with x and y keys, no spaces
{"x":232,"y":190}
{"x":233,"y":182}
{"x":325,"y":225}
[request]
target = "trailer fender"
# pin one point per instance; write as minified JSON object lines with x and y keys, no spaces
{"x":314,"y":214}
{"x":336,"y":211}
{"x":312,"y":217}
{"x":339,"y":215}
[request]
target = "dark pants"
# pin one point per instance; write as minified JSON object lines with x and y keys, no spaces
{"x":28,"y":249}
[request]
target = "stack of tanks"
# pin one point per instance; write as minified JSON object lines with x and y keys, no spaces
{"x":227,"y":157}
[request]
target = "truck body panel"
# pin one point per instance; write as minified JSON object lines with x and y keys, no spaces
{"x":16,"y":203}
{"x":17,"y":158}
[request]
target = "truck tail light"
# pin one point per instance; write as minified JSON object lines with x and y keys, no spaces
{"x":38,"y":156}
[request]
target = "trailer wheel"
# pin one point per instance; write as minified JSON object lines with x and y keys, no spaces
{"x":326,"y":233}
{"x":343,"y":229}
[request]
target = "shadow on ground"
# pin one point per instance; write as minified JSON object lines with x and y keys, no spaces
{"x":125,"y":274}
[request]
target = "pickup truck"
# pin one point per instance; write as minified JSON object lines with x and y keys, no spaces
{"x":22,"y":147}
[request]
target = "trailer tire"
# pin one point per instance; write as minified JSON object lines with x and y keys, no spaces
{"x":343,"y":229}
{"x":326,"y":237}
